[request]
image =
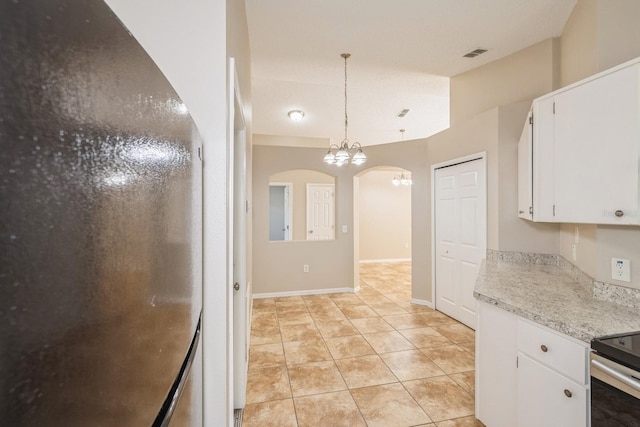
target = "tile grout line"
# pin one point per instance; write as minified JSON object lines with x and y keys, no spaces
{"x":308,"y":304}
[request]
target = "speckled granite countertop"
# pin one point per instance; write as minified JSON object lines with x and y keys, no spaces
{"x":534,"y":288}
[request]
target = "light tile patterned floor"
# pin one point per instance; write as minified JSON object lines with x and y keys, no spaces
{"x":365,"y":359}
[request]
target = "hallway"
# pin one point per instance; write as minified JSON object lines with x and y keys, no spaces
{"x":365,"y":359}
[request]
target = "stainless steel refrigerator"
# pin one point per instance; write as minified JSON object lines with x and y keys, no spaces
{"x":100,"y":226}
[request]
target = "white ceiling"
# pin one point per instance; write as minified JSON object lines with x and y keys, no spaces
{"x":402,"y":55}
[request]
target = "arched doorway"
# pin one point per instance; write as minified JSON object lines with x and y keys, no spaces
{"x":382,"y":233}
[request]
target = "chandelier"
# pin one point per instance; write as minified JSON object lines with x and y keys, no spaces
{"x":402,"y":179}
{"x":344,"y":153}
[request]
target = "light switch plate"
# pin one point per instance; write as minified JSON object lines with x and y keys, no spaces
{"x":621,"y":269}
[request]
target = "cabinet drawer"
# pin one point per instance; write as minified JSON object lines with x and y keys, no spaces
{"x":556,"y":351}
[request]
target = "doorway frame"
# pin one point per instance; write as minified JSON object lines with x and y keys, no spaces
{"x":288,"y":207}
{"x":482,"y":156}
{"x":356,"y":222}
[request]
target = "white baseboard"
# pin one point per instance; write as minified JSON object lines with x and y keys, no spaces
{"x":301,"y":293}
{"x":388,"y":260}
{"x":422,"y":302}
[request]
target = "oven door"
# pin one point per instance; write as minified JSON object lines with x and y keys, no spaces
{"x":615,"y":394}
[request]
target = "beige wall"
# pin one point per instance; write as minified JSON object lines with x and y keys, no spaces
{"x":300,"y":178}
{"x":384,"y":218}
{"x":578,"y":53}
{"x":278,"y":266}
{"x":524,"y":75}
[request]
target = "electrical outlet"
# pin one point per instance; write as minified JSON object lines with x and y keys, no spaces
{"x":344,"y":228}
{"x":305,"y":268}
{"x":621,"y":269}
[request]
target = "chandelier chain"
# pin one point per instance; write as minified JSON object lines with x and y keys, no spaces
{"x":346,"y":117}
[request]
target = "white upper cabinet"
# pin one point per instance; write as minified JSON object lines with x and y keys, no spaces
{"x":585,"y":143}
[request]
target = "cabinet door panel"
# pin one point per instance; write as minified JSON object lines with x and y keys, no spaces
{"x":596,"y":150}
{"x":496,"y":366}
{"x":525,"y":172}
{"x":546,"y":398}
{"x":543,"y":160}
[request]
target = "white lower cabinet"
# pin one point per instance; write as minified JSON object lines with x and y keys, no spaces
{"x":527,"y":374}
{"x":546,"y":398}
{"x":496,"y":366}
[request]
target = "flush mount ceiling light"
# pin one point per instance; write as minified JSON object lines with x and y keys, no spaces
{"x":402,"y":179}
{"x":344,"y":153}
{"x":296,"y":115}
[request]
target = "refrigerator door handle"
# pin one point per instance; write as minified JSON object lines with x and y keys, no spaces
{"x":170,"y":403}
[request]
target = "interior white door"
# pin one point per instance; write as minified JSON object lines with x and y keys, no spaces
{"x":320,"y":212}
{"x":238,"y":207}
{"x":460,"y":236}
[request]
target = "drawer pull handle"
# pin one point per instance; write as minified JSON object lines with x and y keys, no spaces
{"x":619,"y":213}
{"x":544,"y":348}
{"x":568,"y":393}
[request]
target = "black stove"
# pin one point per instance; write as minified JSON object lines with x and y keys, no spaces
{"x":622,"y":348}
{"x":615,"y":381}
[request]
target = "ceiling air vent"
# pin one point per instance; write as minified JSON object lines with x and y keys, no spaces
{"x":474,"y":53}
{"x":403,"y":112}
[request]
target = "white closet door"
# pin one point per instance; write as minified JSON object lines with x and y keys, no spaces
{"x":460,"y":235}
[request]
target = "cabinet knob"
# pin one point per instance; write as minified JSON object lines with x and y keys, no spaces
{"x":544,"y":348}
{"x":568,"y":393}
{"x":619,"y":213}
{"x":520,"y":212}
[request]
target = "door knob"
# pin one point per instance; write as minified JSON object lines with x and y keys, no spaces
{"x":568,"y":393}
{"x":544,"y":348}
{"x":619,"y":213}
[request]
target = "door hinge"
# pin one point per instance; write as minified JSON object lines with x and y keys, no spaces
{"x":531,"y":119}
{"x":554,"y":210}
{"x":530,"y":210}
{"x":517,"y":362}
{"x":554,"y":108}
